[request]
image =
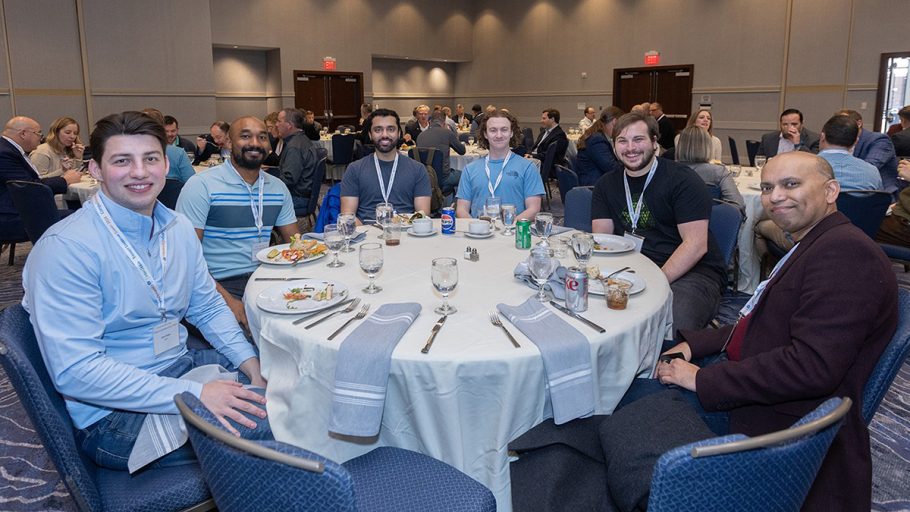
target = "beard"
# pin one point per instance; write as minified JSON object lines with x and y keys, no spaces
{"x":249,"y":157}
{"x":646,"y":157}
{"x":386,"y":145}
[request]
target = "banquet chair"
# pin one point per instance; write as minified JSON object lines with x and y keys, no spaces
{"x":321,"y":153}
{"x":346,"y":128}
{"x":865,"y":208}
{"x":891,"y":360}
{"x":734,"y":153}
{"x":463,"y":137}
{"x":92,"y":487}
{"x":361,"y":150}
{"x":36,"y":206}
{"x":169,"y":194}
{"x":897,"y":254}
{"x":547,"y":170}
{"x":725,"y":222}
{"x":566,"y":179}
{"x":342,"y":151}
{"x":752,"y":150}
{"x":713,"y":191}
{"x":12,"y":232}
{"x":313,"y":202}
{"x":527,"y":138}
{"x":279,"y":476}
{"x":770,"y":472}
{"x":578,"y":208}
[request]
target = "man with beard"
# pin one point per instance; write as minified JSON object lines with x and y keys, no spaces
{"x":664,"y":208}
{"x":233,"y":207}
{"x":384,"y":176}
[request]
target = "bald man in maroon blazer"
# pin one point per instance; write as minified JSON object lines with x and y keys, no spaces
{"x":815,"y":332}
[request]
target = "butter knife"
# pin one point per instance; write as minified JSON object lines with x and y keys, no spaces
{"x":310,"y":316}
{"x":433,"y":333}
{"x":578,"y":317}
{"x":279,"y":278}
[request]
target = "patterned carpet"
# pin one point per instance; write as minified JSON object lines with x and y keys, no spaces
{"x":29,"y":482}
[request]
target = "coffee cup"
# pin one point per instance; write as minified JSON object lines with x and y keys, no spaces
{"x":422,"y":226}
{"x":479,"y":227}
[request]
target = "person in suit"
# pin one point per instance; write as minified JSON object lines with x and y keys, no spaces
{"x":461,"y":118}
{"x":901,"y":139}
{"x":875,"y":148}
{"x":311,"y":126}
{"x":22,"y":135}
{"x":298,"y":158}
{"x":667,"y":138}
{"x":552,"y":134}
{"x":215,"y":142}
{"x":415,"y":126}
{"x":596,"y":156}
{"x":788,"y":353}
{"x":793,"y":136}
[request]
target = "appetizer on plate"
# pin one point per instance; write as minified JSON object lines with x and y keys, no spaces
{"x":297,"y":250}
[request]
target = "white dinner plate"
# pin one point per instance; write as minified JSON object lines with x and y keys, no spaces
{"x":612,"y":244}
{"x":272,"y":299}
{"x":596,"y":286}
{"x":278,"y":260}
{"x":472,"y":235}
{"x":414,"y":233}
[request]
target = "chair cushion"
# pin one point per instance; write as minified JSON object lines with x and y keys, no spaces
{"x":171,"y":488}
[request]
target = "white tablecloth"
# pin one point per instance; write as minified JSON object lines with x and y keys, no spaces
{"x":82,"y":191}
{"x":749,"y":264}
{"x":474,"y":392}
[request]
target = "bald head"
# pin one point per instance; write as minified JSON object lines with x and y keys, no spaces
{"x":798,"y":191}
{"x":25,"y":131}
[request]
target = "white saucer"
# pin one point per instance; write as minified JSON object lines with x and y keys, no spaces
{"x":413,"y":233}
{"x":472,"y":235}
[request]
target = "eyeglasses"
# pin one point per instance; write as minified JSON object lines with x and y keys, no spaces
{"x":39,"y":133}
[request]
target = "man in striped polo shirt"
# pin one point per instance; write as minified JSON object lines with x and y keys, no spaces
{"x":233,"y":207}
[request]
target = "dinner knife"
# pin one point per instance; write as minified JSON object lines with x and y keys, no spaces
{"x":433,"y":333}
{"x":279,"y":278}
{"x":309,"y":316}
{"x":578,"y":317}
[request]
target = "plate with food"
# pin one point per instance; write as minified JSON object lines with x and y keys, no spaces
{"x":596,"y":281}
{"x":301,"y":296}
{"x":298,"y":251}
{"x":407,"y":218}
{"x":611,"y":244}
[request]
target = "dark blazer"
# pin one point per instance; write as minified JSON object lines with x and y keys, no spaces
{"x":816,"y":333}
{"x":557,"y":136}
{"x":187,"y":145}
{"x":206,"y":151}
{"x":14,"y":166}
{"x":595,"y":159}
{"x":808,"y":141}
{"x":667,"y":133}
{"x":876,"y":148}
{"x":413,"y":129}
{"x":458,"y":119}
{"x":298,"y":164}
{"x":901,"y":141}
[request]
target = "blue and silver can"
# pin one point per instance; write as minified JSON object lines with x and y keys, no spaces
{"x":448,"y":221}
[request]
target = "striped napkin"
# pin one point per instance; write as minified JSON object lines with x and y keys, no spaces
{"x":362,"y":370}
{"x":566,"y":357}
{"x":556,"y":284}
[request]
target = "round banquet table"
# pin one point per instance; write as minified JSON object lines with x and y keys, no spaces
{"x":473,"y":392}
{"x":83,"y":190}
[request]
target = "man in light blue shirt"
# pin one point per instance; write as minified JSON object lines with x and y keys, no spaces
{"x":836,"y":142}
{"x":180,"y":168}
{"x":106,"y":289}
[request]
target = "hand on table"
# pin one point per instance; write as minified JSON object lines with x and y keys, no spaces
{"x":226,"y":399}
{"x":71,"y":176}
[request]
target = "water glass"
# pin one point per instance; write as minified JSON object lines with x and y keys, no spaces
{"x":540,"y":263}
{"x":760,"y":161}
{"x":559,"y":247}
{"x":371,"y":263}
{"x":334,"y":240}
{"x":543,"y":222}
{"x":492,"y":206}
{"x":348,"y":224}
{"x":582,"y":246}
{"x":384,"y":213}
{"x":392,"y":233}
{"x":508,"y":218}
{"x":444,"y":274}
{"x":735,"y":170}
{"x":471,"y":140}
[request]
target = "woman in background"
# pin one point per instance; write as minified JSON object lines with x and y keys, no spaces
{"x":693,"y":147}
{"x":595,"y":148}
{"x":703,"y":119}
{"x":61,"y":151}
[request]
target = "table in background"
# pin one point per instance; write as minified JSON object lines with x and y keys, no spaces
{"x":474,"y":392}
{"x":749,"y":264}
{"x":82,"y":191}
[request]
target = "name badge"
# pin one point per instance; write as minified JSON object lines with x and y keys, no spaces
{"x":258,"y":246}
{"x":166,"y":336}
{"x":635,"y":239}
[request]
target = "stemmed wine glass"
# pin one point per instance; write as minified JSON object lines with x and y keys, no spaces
{"x":760,"y":161}
{"x":471,"y":140}
{"x":384,"y":213}
{"x":347,"y":223}
{"x":544,"y":223}
{"x":334,"y":240}
{"x":540,"y":263}
{"x":491,"y":208}
{"x":508,"y":218}
{"x":371,"y":263}
{"x":582,"y":245}
{"x":444,"y":274}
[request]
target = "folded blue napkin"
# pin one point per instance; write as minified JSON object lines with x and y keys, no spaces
{"x":362,"y":369}
{"x":319,"y":236}
{"x":556,"y":284}
{"x":566,"y":356}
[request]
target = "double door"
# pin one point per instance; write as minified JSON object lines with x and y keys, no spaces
{"x":671,"y":86}
{"x":333,"y":96}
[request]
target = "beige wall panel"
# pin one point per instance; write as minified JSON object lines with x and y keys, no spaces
{"x":195,"y":114}
{"x":879,"y":26}
{"x":240,"y":71}
{"x":44,"y":44}
{"x":818,"y":42}
{"x":412,"y":77}
{"x":816,"y":106}
{"x":855,"y":100}
{"x":45,"y":109}
{"x":6,"y":109}
{"x":230,"y":109}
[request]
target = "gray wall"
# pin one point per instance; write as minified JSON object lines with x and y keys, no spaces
{"x":401,"y":84}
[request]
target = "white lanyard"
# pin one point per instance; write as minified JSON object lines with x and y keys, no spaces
{"x":486,"y":164}
{"x":760,"y":289}
{"x":635,"y":212}
{"x":131,"y":253}
{"x":385,"y":192}
{"x":257,"y":212}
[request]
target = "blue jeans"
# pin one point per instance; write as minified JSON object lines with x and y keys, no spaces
{"x":110,"y":440}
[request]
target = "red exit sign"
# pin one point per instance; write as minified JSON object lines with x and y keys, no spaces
{"x":328,"y":63}
{"x":652,"y":58}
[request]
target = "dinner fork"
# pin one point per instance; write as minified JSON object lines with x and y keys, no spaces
{"x":494,"y":319}
{"x":348,"y":309}
{"x":360,"y":314}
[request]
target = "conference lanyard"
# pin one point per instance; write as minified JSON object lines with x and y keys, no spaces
{"x":635,"y":211}
{"x":257,"y":212}
{"x":131,"y":254}
{"x":385,"y":192}
{"x":760,"y":289}
{"x":486,"y":165}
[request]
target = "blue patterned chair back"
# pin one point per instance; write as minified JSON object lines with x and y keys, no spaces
{"x":578,"y":208}
{"x":890,"y":361}
{"x":769,"y":472}
{"x":567,"y":180}
{"x":866,"y":210}
{"x":725,"y":222}
{"x":35,"y":202}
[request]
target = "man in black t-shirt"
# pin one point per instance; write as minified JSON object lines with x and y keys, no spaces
{"x":672,"y":219}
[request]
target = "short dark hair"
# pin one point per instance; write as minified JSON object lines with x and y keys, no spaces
{"x":633,"y":117}
{"x":382,"y":112}
{"x":852,"y":114}
{"x":841,"y":130}
{"x":222,"y":125}
{"x":552,"y":113}
{"x":790,"y":111}
{"x":438,"y":118}
{"x":294,"y":116}
{"x":155,"y":114}
{"x":482,"y":130}
{"x":477,"y":108}
{"x":904,"y":113}
{"x":171,"y":120}
{"x":124,"y":123}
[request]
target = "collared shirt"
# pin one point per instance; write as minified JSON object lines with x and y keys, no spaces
{"x":585,"y":123}
{"x":852,"y":173}
{"x":784,"y":145}
{"x":94,"y":316}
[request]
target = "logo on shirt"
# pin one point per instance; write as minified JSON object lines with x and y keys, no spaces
{"x":645,"y":221}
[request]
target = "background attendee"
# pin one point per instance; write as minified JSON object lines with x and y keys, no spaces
{"x":551,"y":133}
{"x":311,"y":126}
{"x":792,"y":136}
{"x":693,"y":148}
{"x":838,"y":137}
{"x":440,"y":138}
{"x":449,"y":122}
{"x":901,"y":139}
{"x":213,"y":143}
{"x":298,"y":158}
{"x":588,"y":119}
{"x":667,"y":131}
{"x":877,"y":149}
{"x":461,"y":118}
{"x":179,"y":167}
{"x":704,"y":119}
{"x":415,"y":126}
{"x":275,"y":142}
{"x":61,"y":151}
{"x":171,"y":127}
{"x":595,"y":148}
{"x":895,"y":228}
